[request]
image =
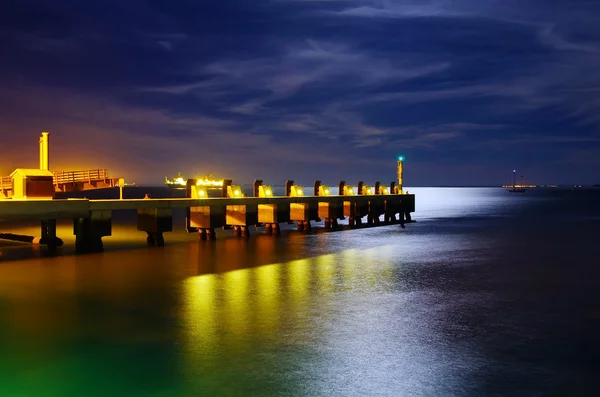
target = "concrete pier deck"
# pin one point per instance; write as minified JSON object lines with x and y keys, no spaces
{"x":92,"y":219}
{"x":71,"y":208}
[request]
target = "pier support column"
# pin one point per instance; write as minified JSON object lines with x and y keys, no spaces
{"x":276,"y":231}
{"x":376,"y":220}
{"x":48,"y":235}
{"x":358,"y":221}
{"x":244,"y":231}
{"x":307,"y":227}
{"x":207,"y":234}
{"x":272,"y":228}
{"x":334,"y":224}
{"x":155,"y":239}
{"x":211,"y":235}
{"x":376,"y":209}
{"x":304,"y":226}
{"x":155,"y":221}
{"x":407,"y":216}
{"x":90,"y":230}
{"x":401,"y":213}
{"x":49,"y":229}
{"x":390,"y":212}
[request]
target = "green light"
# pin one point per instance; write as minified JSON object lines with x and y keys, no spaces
{"x":401,"y":158}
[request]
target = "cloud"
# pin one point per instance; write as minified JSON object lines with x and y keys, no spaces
{"x":301,"y":65}
{"x":165,"y":44}
{"x":534,"y":16}
{"x":549,"y":36}
{"x":412,"y":8}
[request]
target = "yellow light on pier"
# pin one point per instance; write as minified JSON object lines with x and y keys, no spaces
{"x":296,"y":191}
{"x":368,"y":190}
{"x":324,"y":190}
{"x":265,"y":191}
{"x":234,"y":191}
{"x":384,"y":190}
{"x":201,"y":193}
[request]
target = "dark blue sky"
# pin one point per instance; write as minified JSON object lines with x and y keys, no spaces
{"x":467,"y":90}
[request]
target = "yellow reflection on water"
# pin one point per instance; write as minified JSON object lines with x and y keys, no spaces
{"x":347,"y":266}
{"x":236,"y":307}
{"x":325,"y":269}
{"x":298,"y":272}
{"x":200,"y":309}
{"x":236,"y":310}
{"x":384,"y":263}
{"x":268,"y":295}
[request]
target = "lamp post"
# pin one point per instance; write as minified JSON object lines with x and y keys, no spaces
{"x":400,"y":174}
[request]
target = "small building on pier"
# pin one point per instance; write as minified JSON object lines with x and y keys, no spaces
{"x":32,"y":184}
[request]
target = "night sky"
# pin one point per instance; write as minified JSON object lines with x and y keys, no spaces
{"x":467,"y":90}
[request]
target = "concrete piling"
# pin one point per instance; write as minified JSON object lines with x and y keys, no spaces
{"x":155,"y":221}
{"x":203,"y":220}
{"x":48,"y":235}
{"x":89,"y":231}
{"x":328,"y":211}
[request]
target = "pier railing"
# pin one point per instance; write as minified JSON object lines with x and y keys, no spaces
{"x":62,"y":177}
{"x":5,"y":183}
{"x":65,"y":181}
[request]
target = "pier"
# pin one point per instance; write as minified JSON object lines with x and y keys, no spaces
{"x":34,"y":190}
{"x":92,"y":218}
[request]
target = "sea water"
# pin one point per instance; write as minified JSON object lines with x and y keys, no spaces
{"x":488,"y":294}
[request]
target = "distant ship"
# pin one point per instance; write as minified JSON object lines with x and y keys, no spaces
{"x":517,"y":188}
{"x":180,"y":182}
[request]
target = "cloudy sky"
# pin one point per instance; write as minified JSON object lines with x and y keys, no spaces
{"x":467,"y":90}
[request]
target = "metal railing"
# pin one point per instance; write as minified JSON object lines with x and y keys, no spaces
{"x":63,"y":177}
{"x":6,"y":183}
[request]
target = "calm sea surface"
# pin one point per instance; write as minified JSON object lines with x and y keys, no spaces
{"x":488,"y":294}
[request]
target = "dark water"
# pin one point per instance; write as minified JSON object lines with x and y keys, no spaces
{"x":489,"y":294}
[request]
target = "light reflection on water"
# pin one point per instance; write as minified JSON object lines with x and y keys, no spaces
{"x":457,"y":305}
{"x":452,"y":203}
{"x":326,"y":319}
